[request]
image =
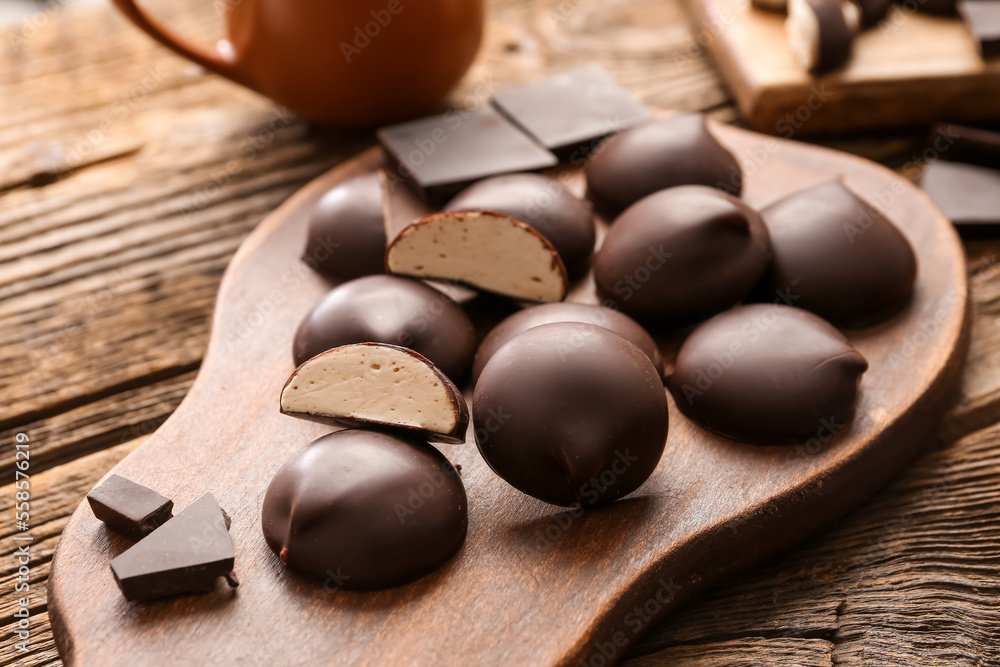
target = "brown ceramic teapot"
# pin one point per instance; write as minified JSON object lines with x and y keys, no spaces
{"x":340,"y":62}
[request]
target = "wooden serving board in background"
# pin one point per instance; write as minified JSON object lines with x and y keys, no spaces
{"x":913,"y":69}
{"x":533,"y":585}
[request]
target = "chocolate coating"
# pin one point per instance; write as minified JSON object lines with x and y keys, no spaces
{"x":394,"y":310}
{"x":682,"y":254}
{"x":571,"y":413}
{"x":974,"y":145}
{"x":768,"y":374}
{"x":549,"y":313}
{"x":938,"y":7}
{"x":873,"y":11}
{"x":659,"y":154}
{"x":835,"y":25}
{"x":545,"y":204}
{"x":838,"y":257}
{"x":346,"y":237}
{"x":373,"y":509}
{"x":968,"y":195}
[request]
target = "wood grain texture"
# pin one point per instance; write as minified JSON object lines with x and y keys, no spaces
{"x":712,"y":509}
{"x":59,"y":159}
{"x":911,"y":69}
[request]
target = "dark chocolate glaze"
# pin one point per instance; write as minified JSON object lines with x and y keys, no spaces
{"x":873,"y":11}
{"x":938,"y":7}
{"x":968,"y":195}
{"x":570,"y":113}
{"x":364,"y":509}
{"x":768,"y":374}
{"x":549,"y":313}
{"x":838,"y":257}
{"x":659,"y":154}
{"x":346,"y":237}
{"x":983,"y":19}
{"x":836,"y":37}
{"x":681,"y":255}
{"x":129,"y":509}
{"x":439,"y":156}
{"x":544,"y":204}
{"x":394,"y":310}
{"x":571,"y":413}
{"x":185,"y":555}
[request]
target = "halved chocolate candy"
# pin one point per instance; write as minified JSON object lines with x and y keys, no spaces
{"x":835,"y":255}
{"x":821,"y":32}
{"x":566,"y":221}
{"x":365,"y":509}
{"x":659,"y":154}
{"x":130,"y":509}
{"x":768,"y":374}
{"x":374,"y":383}
{"x":483,"y":249}
{"x":185,"y":555}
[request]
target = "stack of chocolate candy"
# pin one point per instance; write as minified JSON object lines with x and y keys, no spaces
{"x":567,"y":399}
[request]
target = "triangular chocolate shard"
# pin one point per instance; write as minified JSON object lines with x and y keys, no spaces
{"x":185,"y":555}
{"x":130,"y":509}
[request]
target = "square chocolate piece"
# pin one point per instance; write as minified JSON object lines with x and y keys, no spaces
{"x":442,"y":155}
{"x":983,"y":19}
{"x":967,"y":194}
{"x":570,"y":113}
{"x":130,"y":509}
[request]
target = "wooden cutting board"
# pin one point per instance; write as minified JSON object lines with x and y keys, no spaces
{"x":911,"y":70}
{"x":534,"y":584}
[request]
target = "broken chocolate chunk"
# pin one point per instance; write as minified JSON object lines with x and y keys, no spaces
{"x":129,"y":509}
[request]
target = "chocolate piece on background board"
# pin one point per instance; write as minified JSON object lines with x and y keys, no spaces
{"x":968,"y":195}
{"x":441,"y":155}
{"x":983,"y":19}
{"x":779,"y":6}
{"x":186,"y":555}
{"x":872,"y":11}
{"x":129,"y":509}
{"x":821,"y":32}
{"x":960,"y":143}
{"x":377,"y":384}
{"x":570,"y":113}
{"x":360,"y":483}
{"x":937,"y":7}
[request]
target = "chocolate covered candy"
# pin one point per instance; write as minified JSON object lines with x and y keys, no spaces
{"x":571,"y":413}
{"x":938,"y":7}
{"x":375,"y":383}
{"x":659,"y":154}
{"x":968,"y":195}
{"x":185,"y":555}
{"x":441,"y":155}
{"x":393,"y":310}
{"x":871,"y":12}
{"x":837,"y":256}
{"x":983,"y":19}
{"x":566,"y":221}
{"x":129,"y":509}
{"x":682,"y":254}
{"x":371,"y":509}
{"x":346,"y":235}
{"x":549,"y":313}
{"x":821,"y":32}
{"x":768,"y":374}
{"x":483,"y":249}
{"x":571,"y":112}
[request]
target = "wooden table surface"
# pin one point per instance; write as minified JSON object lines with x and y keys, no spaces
{"x":128,"y":178}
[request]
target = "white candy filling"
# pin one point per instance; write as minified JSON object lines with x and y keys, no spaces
{"x":803,"y":32}
{"x":374,"y":383}
{"x":491,"y":252}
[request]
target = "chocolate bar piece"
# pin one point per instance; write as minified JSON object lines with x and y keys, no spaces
{"x":983,"y":19}
{"x":439,"y":156}
{"x":185,"y":555}
{"x":571,"y":112}
{"x":129,"y":509}
{"x":967,"y":194}
{"x":966,"y":144}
